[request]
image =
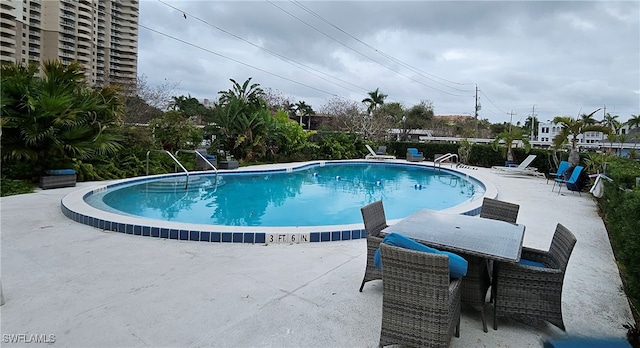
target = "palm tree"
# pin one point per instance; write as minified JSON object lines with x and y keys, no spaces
{"x":51,"y":119}
{"x":241,"y":117}
{"x":302,"y":109}
{"x":571,"y":129}
{"x":249,"y":94}
{"x":532,"y":123}
{"x":374,"y":100}
{"x":588,"y":119}
{"x":634,"y":121}
{"x":611,"y":122}
{"x":509,"y":137}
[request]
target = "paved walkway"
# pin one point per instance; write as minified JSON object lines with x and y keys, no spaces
{"x":91,"y":288}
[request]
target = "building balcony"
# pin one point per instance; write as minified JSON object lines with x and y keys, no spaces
{"x":7,"y":50}
{"x":85,"y":20}
{"x":66,"y":47}
{"x":11,"y":32}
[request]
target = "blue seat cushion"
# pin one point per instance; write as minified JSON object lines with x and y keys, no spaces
{"x":586,"y":342}
{"x":60,"y":172}
{"x":457,"y":264}
{"x":532,"y":263}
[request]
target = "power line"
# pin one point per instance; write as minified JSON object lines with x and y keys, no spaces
{"x":360,"y":53}
{"x":281,"y":57}
{"x":416,"y":70}
{"x":492,"y":103}
{"x":238,"y":61}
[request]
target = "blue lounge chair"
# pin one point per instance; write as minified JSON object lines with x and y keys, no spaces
{"x":561,"y":169}
{"x":572,"y":181}
{"x":414,"y":156}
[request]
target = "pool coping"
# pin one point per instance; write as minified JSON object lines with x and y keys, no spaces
{"x":75,"y":208}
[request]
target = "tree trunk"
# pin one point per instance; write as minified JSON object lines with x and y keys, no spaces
{"x":574,"y":158}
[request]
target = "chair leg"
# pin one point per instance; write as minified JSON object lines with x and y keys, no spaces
{"x":362,"y":285}
{"x":484,"y":321}
{"x":457,"y":333}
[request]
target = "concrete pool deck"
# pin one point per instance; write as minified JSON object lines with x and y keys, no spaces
{"x":94,"y":288}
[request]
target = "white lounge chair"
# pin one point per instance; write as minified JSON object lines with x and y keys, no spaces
{"x":522,"y":169}
{"x":373,"y":155}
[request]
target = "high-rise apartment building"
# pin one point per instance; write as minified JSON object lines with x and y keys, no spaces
{"x":102,"y":35}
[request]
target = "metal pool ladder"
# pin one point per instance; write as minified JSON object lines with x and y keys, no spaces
{"x":186,"y":186}
{"x":439,"y":160}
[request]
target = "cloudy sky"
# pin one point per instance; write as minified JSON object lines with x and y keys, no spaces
{"x":549,"y":57}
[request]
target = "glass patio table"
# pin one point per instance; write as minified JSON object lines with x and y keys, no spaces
{"x":471,"y":235}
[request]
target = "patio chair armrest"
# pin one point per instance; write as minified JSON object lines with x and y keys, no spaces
{"x":541,"y":256}
{"x":526,"y":273}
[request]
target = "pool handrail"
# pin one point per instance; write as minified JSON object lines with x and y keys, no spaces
{"x":445,"y":157}
{"x":186,"y":186}
{"x":205,"y":161}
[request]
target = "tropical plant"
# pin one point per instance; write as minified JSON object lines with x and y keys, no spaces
{"x":286,"y":139}
{"x":51,"y":119}
{"x":303,"y":109}
{"x":611,"y":122}
{"x":634,"y":121}
{"x":375,"y":100}
{"x":249,"y":94}
{"x":571,"y":130}
{"x":509,"y":137}
{"x":173,"y":132}
{"x":241,"y":119}
{"x":588,"y":119}
{"x":532,"y":123}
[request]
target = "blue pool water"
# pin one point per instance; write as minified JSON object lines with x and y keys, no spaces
{"x":312,"y":196}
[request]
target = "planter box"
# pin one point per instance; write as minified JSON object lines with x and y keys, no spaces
{"x":228,"y":164}
{"x":56,"y":181}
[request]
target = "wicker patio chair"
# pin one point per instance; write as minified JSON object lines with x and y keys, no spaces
{"x":532,"y":291}
{"x":499,"y":210}
{"x":477,"y":281}
{"x":374,"y":221}
{"x":420,"y":304}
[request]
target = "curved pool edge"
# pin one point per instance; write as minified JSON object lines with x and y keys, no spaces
{"x":75,"y":208}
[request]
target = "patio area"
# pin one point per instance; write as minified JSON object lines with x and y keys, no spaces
{"x":94,"y":288}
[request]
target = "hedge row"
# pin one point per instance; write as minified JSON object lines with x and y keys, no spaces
{"x":620,"y":207}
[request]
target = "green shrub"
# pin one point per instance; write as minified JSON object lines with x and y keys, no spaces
{"x":338,"y":145}
{"x":620,"y":207}
{"x":11,"y":187}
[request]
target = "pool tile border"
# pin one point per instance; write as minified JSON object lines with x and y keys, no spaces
{"x":74,"y":208}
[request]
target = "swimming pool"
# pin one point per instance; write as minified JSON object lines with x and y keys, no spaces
{"x":314,"y":201}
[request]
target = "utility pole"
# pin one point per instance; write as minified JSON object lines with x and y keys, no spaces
{"x":511,"y":119}
{"x":478,"y":107}
{"x":533,"y":121}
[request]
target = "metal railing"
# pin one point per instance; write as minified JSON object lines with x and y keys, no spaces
{"x":438,"y":161}
{"x":175,"y":160}
{"x":205,"y":161}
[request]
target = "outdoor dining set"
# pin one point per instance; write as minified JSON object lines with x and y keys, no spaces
{"x":431,"y":262}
